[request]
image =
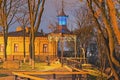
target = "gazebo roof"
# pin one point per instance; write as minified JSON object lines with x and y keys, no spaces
{"x":62,"y":29}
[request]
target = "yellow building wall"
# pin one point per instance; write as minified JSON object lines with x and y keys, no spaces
{"x":2,"y":43}
{"x":39,"y":42}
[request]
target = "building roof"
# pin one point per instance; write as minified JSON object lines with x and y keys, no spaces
{"x":21,"y":33}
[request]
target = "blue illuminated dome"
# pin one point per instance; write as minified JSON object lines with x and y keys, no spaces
{"x":62,"y":18}
{"x":62,"y":23}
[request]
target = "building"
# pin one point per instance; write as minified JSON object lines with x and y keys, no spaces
{"x":45,"y":44}
{"x":15,"y":47}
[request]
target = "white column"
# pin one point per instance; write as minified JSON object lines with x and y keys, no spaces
{"x":56,"y":46}
{"x":62,"y":50}
{"x":75,"y":46}
{"x":49,"y":43}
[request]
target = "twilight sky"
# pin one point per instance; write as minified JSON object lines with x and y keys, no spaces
{"x":52,"y":8}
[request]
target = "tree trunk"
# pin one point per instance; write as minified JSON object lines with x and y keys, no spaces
{"x":5,"y":44}
{"x":24,"y":45}
{"x":30,"y":50}
{"x":110,"y":42}
{"x":33,"y":49}
{"x":35,"y":13}
{"x":113,"y":19}
{"x":110,"y":47}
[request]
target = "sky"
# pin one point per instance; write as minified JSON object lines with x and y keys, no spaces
{"x":51,"y":10}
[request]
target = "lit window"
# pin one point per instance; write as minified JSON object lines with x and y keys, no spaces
{"x":15,"y":47}
{"x":1,"y":47}
{"x":45,"y":48}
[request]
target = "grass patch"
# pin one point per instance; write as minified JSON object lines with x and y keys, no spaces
{"x":27,"y":67}
{"x":38,"y":67}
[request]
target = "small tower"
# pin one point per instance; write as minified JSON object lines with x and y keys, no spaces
{"x":62,"y":22}
{"x":61,"y":34}
{"x":62,"y":18}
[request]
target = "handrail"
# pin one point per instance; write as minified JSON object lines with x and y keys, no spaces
{"x":73,"y":63}
{"x":77,"y":68}
{"x":26,"y":76}
{"x":50,"y":73}
{"x":94,"y":73}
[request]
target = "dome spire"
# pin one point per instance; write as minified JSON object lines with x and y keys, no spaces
{"x":62,"y":13}
{"x":62,"y":21}
{"x":62,"y":6}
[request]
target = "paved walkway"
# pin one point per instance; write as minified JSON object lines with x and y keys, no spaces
{"x":8,"y":72}
{"x":7,"y":78}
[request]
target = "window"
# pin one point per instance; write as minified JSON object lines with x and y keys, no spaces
{"x":1,"y":47}
{"x":45,"y":48}
{"x":15,"y":47}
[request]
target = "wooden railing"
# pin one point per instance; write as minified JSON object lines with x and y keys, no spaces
{"x":26,"y":76}
{"x":75,"y":64}
{"x":54,"y":74}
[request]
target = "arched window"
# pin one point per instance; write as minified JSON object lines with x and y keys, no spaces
{"x":15,"y":47}
{"x":45,"y":48}
{"x":1,"y":47}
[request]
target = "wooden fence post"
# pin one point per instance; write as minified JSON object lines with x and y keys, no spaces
{"x":73,"y":75}
{"x":54,"y":76}
{"x":28,"y":79}
{"x":15,"y":78}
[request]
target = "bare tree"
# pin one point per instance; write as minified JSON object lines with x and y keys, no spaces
{"x":108,"y":15}
{"x":36,"y":8}
{"x":53,"y":26}
{"x":85,"y":29}
{"x":8,"y":9}
{"x":22,"y":19}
